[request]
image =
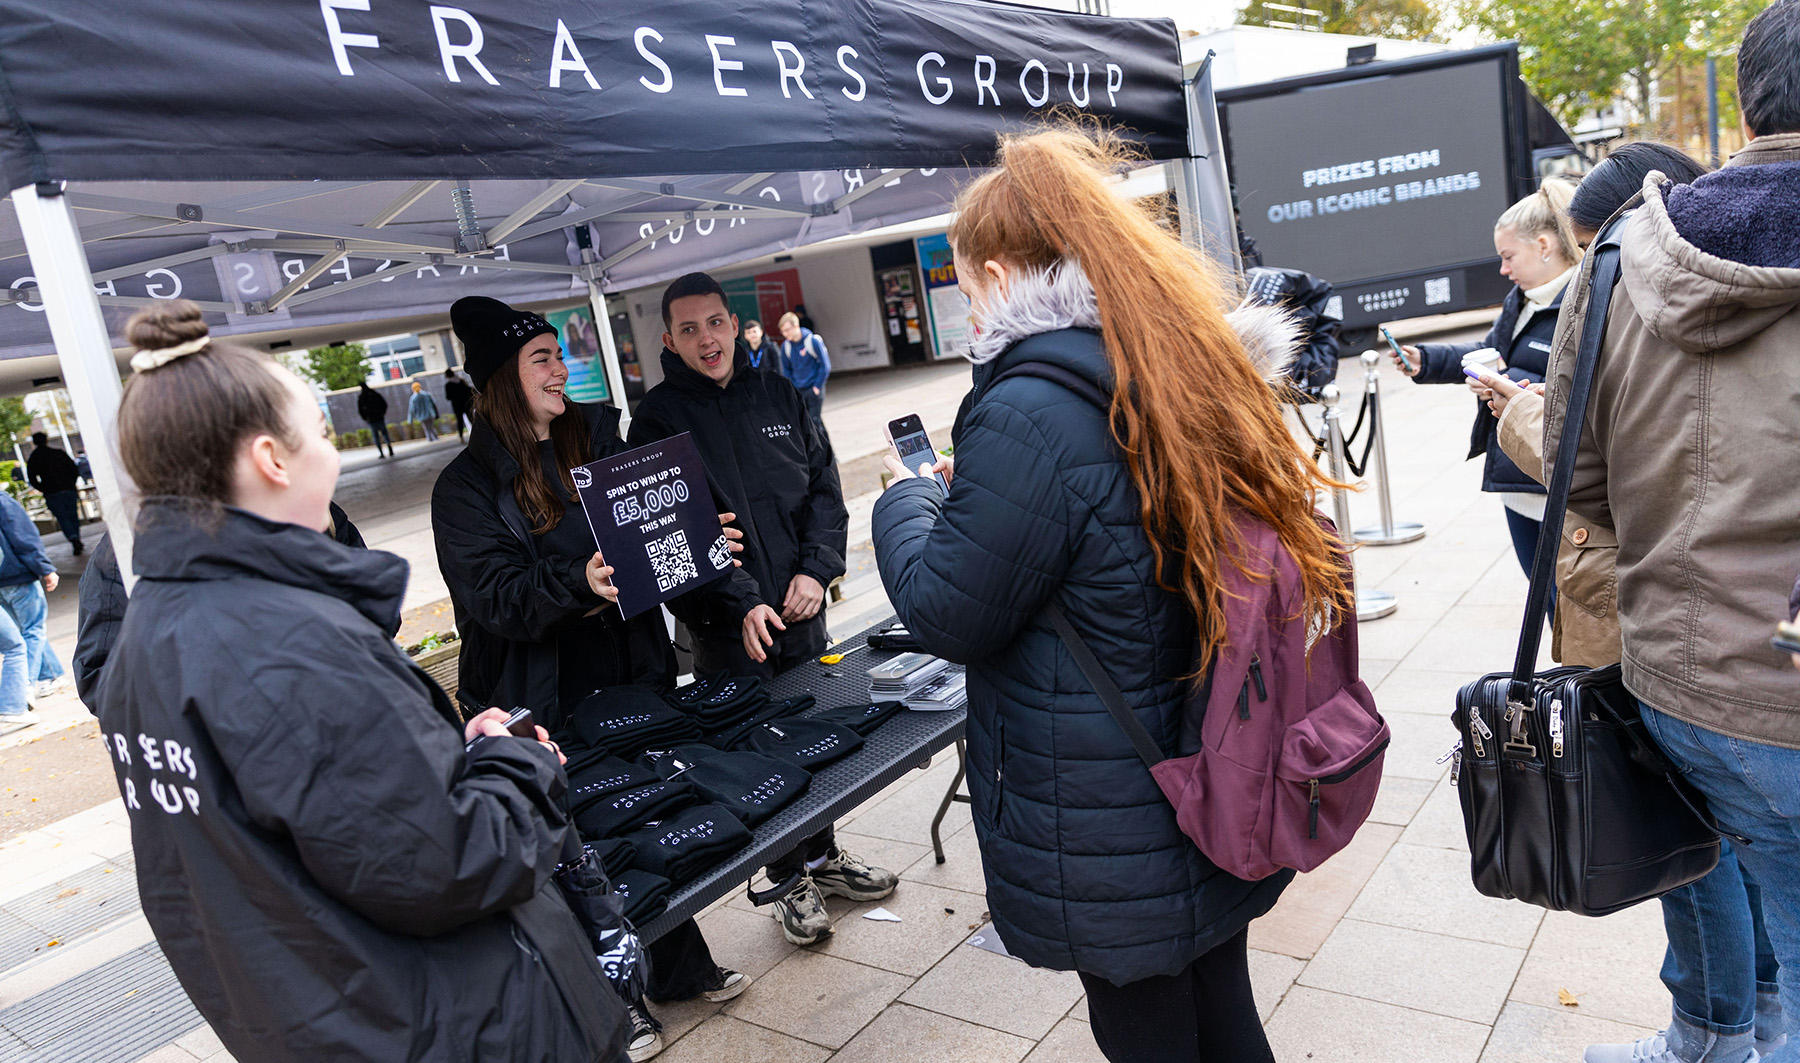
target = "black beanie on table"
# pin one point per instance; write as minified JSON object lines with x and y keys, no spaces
{"x":492,"y":332}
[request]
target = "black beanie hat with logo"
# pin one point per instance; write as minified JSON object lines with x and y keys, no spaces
{"x":492,"y":332}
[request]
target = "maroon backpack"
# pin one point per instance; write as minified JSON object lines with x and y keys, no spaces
{"x":1290,"y":744}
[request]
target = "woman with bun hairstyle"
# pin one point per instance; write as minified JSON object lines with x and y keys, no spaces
{"x":1538,"y":253}
{"x":1123,"y":517}
{"x":328,"y":869}
{"x":533,"y":599}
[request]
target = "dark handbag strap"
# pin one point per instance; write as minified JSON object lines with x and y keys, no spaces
{"x":1602,"y":279}
{"x":1110,"y":694}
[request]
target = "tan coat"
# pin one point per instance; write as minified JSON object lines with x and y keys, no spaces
{"x":1689,"y":454}
{"x":1586,"y":629}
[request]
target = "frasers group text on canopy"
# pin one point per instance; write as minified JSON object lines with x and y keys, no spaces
{"x":461,"y":37}
{"x":1378,"y":196}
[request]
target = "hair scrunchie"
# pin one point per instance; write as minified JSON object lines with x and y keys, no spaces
{"x":144,"y":361}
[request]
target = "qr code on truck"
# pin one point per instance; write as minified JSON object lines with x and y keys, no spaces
{"x":671,"y":560}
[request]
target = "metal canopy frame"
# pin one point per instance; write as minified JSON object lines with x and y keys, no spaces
{"x":58,"y":223}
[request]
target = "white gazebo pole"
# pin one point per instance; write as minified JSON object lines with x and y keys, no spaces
{"x":83,"y":347}
{"x":1201,"y":187}
{"x":609,"y":354}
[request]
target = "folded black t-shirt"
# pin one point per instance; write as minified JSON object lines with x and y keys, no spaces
{"x":627,"y":810}
{"x":684,"y":845}
{"x":645,"y":895}
{"x":615,"y":855}
{"x":752,"y":786}
{"x":860,"y":718}
{"x":604,"y":777}
{"x":810,"y":744}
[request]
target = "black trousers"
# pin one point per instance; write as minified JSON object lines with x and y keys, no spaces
{"x":681,"y":964}
{"x":1205,"y":1014}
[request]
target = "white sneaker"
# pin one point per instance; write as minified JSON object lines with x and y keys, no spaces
{"x":646,"y":1040}
{"x":1652,"y":1049}
{"x":19,"y":718}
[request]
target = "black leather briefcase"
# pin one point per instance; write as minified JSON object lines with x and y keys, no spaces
{"x":1566,"y":801}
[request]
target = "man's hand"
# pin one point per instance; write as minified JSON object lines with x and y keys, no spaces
{"x":599,"y":578}
{"x":815,"y":391}
{"x":1412,"y":355}
{"x":733,"y":537}
{"x":50,"y":581}
{"x":804,"y":597}
{"x":756,"y":632}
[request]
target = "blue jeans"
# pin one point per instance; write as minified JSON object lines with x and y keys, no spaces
{"x":14,"y":665}
{"x":1754,"y":791}
{"x":1720,"y":967}
{"x":65,"y":506}
{"x":378,"y":434}
{"x":30,"y":611}
{"x":1524,"y":532}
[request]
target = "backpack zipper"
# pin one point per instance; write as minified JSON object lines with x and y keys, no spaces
{"x":1556,"y":727}
{"x":1312,"y":815}
{"x":1478,"y":729}
{"x":1262,"y":691}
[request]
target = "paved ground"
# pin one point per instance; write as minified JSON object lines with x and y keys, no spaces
{"x":1384,"y":955}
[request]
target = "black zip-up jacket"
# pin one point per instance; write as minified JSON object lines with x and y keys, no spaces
{"x":329,"y":873}
{"x":1527,"y":356}
{"x":511,"y":603}
{"x":766,"y":462}
{"x":371,"y":406}
{"x":100,"y":607}
{"x":50,"y":470}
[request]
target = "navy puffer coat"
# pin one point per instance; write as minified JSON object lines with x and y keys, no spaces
{"x":1086,"y":868}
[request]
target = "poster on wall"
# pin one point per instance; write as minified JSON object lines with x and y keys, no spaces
{"x":581,"y":353}
{"x":764,"y":297}
{"x":948,"y":310}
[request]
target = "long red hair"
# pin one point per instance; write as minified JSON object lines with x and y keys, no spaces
{"x":1201,"y":429}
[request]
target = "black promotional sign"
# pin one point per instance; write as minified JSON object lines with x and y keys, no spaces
{"x":653,"y":517}
{"x":396,"y":89}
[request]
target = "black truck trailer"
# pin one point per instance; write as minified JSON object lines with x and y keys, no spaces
{"x":1386,"y":178}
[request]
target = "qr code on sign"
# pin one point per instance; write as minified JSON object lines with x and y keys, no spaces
{"x":1437,"y":292}
{"x":671,"y":560}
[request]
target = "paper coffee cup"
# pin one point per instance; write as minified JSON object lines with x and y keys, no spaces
{"x":1486,"y":357}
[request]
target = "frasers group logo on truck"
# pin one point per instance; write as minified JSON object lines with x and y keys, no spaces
{"x":1395,"y":191}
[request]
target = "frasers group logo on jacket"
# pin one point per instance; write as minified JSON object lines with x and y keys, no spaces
{"x":777,"y":431}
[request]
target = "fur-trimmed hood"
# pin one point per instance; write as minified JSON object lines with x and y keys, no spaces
{"x":1061,"y":297}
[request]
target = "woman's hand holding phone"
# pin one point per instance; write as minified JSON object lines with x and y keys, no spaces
{"x":492,"y":723}
{"x":1493,"y":388}
{"x":945,"y":467}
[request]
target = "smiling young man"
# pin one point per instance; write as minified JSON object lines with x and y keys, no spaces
{"x":768,"y":463}
{"x":766,"y":458}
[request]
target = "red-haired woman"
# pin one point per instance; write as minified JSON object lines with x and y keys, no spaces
{"x":1125,"y":525}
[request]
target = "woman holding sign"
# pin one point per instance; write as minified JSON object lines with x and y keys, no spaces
{"x":533,"y":596}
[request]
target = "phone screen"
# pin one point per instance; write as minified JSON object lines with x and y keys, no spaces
{"x":913,"y":446}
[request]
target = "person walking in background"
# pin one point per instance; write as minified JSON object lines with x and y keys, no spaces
{"x":1691,"y":429}
{"x":1127,"y":533}
{"x":805,"y":362}
{"x":56,"y":477}
{"x":372,"y":408}
{"x":423,"y":409}
{"x":765,"y":353}
{"x":25,"y":575}
{"x":460,"y":396}
{"x":1719,"y":966}
{"x":1538,"y":253}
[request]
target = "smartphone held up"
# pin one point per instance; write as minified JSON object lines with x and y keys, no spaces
{"x":907,"y":434}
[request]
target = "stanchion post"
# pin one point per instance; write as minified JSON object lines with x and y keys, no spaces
{"x":1370,"y":604}
{"x":1388,"y":533}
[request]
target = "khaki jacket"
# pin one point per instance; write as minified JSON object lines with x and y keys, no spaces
{"x":1688,"y":454}
{"x":1586,"y":627}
